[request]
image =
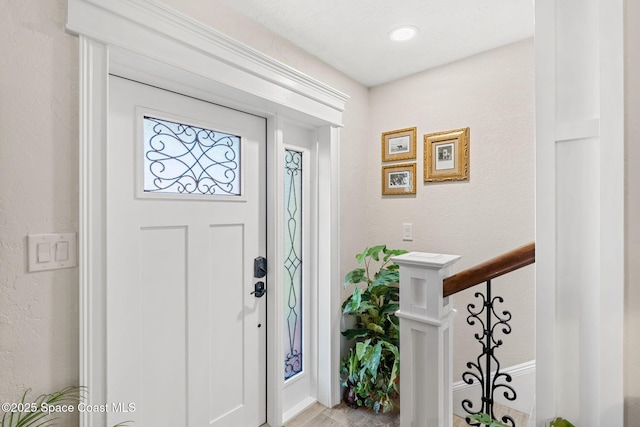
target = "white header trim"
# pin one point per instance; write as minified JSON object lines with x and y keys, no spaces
{"x":136,"y":26}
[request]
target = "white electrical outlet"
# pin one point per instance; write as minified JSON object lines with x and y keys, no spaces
{"x":52,"y":251}
{"x":407,"y":231}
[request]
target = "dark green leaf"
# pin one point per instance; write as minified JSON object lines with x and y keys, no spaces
{"x":361,"y":348}
{"x":390,"y":293}
{"x":385,"y":277}
{"x":374,"y":252}
{"x":352,"y":334}
{"x":372,"y":359}
{"x":354,"y":301}
{"x":353,"y":309}
{"x":485,"y":419}
{"x":388,"y":253}
{"x":481,"y":418}
{"x":375,"y":328}
{"x":355,"y":276}
{"x":389,"y":309}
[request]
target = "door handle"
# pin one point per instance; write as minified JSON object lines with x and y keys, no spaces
{"x":259,"y":290}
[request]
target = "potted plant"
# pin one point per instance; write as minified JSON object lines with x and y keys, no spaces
{"x":370,"y":370}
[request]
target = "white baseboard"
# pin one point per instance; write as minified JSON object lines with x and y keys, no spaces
{"x":523,"y":382}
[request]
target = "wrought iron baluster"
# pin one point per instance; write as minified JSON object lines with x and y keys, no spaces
{"x":488,"y":383}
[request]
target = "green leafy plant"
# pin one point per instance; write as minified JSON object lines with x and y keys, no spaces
{"x":370,"y":371}
{"x":36,"y":413}
{"x":42,"y":412}
{"x":486,"y":419}
{"x":560,"y":422}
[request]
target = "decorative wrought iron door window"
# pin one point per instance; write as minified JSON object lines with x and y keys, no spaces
{"x":184,"y":159}
{"x":293,"y":263}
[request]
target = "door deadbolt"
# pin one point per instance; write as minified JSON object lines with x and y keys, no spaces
{"x":259,"y":267}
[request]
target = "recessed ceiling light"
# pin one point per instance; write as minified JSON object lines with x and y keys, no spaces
{"x":404,"y":33}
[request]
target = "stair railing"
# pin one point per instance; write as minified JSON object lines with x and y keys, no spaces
{"x":426,"y":334}
{"x":486,"y":369}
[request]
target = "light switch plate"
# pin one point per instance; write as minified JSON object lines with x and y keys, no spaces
{"x":407,"y":231}
{"x":60,"y":246}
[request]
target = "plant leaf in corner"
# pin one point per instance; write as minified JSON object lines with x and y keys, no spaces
{"x":354,"y":276}
{"x":353,"y":303}
{"x":352,"y":334}
{"x":375,"y":328}
{"x":388,"y":253}
{"x":360,"y":257}
{"x":385,"y":277}
{"x":374,"y":252}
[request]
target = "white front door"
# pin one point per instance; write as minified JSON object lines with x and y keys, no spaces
{"x":185,"y":220}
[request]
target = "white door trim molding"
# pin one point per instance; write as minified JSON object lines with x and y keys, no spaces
{"x":152,"y":30}
{"x":147,"y":41}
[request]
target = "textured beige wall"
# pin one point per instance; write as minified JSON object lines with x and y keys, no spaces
{"x":632,"y":285}
{"x":493,"y":94}
{"x":38,"y":194}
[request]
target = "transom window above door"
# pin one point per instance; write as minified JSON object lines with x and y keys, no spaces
{"x":182,"y":159}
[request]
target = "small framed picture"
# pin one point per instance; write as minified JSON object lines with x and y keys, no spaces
{"x":399,"y":145}
{"x":446,"y":156}
{"x":399,"y":179}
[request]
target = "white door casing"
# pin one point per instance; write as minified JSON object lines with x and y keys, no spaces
{"x":186,"y":340}
{"x":146,"y":41}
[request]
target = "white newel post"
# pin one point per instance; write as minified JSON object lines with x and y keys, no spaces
{"x":426,"y":343}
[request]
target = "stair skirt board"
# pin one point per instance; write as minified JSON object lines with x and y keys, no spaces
{"x":523,"y":382}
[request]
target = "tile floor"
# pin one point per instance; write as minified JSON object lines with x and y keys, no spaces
{"x":343,"y":416}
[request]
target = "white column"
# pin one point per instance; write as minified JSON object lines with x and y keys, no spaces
{"x":580,"y":211}
{"x":426,"y":333}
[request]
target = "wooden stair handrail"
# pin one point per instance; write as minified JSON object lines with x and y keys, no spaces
{"x":503,"y":264}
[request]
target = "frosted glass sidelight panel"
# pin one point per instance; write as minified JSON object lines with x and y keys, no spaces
{"x":293,"y":263}
{"x":184,"y":159}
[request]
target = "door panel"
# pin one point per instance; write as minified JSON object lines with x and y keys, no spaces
{"x":186,"y":340}
{"x":162,"y":322}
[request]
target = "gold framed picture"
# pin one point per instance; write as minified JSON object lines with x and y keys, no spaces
{"x":446,"y":156}
{"x":399,"y":179}
{"x":399,"y":145}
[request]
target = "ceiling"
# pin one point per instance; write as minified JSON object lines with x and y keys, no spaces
{"x":353,"y":35}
